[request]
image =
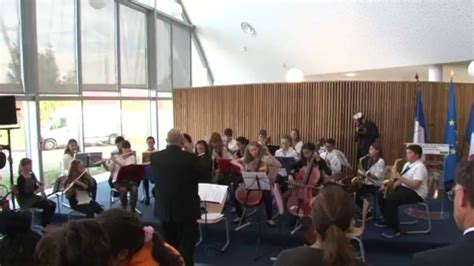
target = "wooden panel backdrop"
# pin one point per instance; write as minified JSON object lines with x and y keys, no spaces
{"x":321,"y":109}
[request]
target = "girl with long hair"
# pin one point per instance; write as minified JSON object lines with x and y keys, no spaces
{"x":296,"y":142}
{"x":332,"y":217}
{"x":72,"y":148}
{"x":257,"y":159}
{"x":81,"y":185}
{"x":205,"y":161}
{"x":133,"y":243}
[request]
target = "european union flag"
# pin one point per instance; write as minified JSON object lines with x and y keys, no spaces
{"x":451,"y":138}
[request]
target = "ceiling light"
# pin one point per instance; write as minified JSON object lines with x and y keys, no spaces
{"x":248,"y":29}
{"x":294,"y":75}
{"x":98,"y":4}
{"x":350,"y":74}
{"x":470,"y":69}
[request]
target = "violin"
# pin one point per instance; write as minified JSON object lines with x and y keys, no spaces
{"x":250,"y":197}
{"x":299,"y":203}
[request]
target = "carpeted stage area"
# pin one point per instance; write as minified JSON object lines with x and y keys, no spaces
{"x":242,"y":248}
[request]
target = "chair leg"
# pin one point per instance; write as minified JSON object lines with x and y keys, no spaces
{"x":428,"y":220}
{"x":361,"y":248}
{"x":227,"y":235}
{"x":242,"y":217}
{"x":297,"y":227}
{"x":200,"y":236}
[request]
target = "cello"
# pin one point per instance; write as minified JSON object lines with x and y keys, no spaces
{"x":299,"y":203}
{"x":250,"y":197}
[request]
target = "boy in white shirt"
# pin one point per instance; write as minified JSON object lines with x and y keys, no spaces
{"x":410,"y":187}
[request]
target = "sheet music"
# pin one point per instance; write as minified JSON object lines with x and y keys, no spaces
{"x":212,"y":193}
{"x":82,"y":197}
{"x":256,"y":181}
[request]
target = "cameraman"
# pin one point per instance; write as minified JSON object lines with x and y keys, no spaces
{"x":366,"y":134}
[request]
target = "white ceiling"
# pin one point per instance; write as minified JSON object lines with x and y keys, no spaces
{"x":321,"y":37}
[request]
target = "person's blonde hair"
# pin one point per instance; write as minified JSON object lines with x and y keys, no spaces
{"x":216,"y":140}
{"x":332,"y":216}
{"x":248,"y":157}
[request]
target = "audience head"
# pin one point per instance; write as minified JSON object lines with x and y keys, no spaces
{"x":330,"y":144}
{"x":118,"y":140}
{"x":127,"y":236}
{"x":175,"y":138}
{"x":150,"y":142}
{"x":19,"y":241}
{"x":202,"y":147}
{"x":413,"y":153}
{"x":464,"y":195}
{"x":26,"y":165}
{"x":82,"y":243}
{"x":125,"y":147}
{"x":375,"y":150}
{"x":285,"y":142}
{"x":46,"y":249}
{"x":331,"y":221}
{"x":308,"y":150}
{"x":295,"y":136}
{"x":253,"y":151}
{"x":228,"y":133}
{"x":72,"y":147}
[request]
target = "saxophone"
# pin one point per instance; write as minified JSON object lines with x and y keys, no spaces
{"x":388,"y":184}
{"x":358,"y":180}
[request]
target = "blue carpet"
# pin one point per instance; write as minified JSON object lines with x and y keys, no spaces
{"x":242,"y":250}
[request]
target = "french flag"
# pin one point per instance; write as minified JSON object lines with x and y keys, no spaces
{"x":420,"y":134}
{"x":470,"y":134}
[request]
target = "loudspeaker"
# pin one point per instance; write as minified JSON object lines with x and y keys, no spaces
{"x":8,"y":111}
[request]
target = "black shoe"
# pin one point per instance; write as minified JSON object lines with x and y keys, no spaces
{"x":380,"y":223}
{"x":391,"y":233}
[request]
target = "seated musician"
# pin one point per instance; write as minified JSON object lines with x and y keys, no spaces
{"x":335,"y":158}
{"x":204,"y":161}
{"x":256,"y":159}
{"x":372,"y":170}
{"x":296,"y":141}
{"x":118,"y":142}
{"x":218,"y":151}
{"x":285,"y":151}
{"x":150,"y":142}
{"x":188,"y":143}
{"x":82,"y":182}
{"x":126,"y":157}
{"x":229,"y":142}
{"x":410,"y":186}
{"x":331,"y":216}
{"x":72,"y":148}
{"x":242,"y":143}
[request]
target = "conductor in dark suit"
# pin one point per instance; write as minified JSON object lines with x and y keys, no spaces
{"x":461,"y":253}
{"x":177,"y":202}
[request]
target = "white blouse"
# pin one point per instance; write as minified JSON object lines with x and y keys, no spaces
{"x":377,"y":170}
{"x":67,"y":160}
{"x":114,"y":168}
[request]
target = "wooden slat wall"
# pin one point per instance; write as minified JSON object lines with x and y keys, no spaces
{"x":321,"y":109}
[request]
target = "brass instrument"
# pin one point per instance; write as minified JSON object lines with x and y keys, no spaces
{"x":358,"y":180}
{"x":388,"y":184}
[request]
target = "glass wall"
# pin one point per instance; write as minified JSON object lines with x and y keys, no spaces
{"x":56,"y":46}
{"x":98,"y":46}
{"x":10,"y":56}
{"x":91,"y":81}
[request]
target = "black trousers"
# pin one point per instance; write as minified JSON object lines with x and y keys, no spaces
{"x":92,"y":189}
{"x":266,"y":196}
{"x":183,"y":237}
{"x":389,"y":206}
{"x":364,"y":192}
{"x":48,"y":207}
{"x":88,"y":209}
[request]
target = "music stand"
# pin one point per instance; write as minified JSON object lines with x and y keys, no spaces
{"x":287,"y":163}
{"x":89,"y":159}
{"x":132,"y":172}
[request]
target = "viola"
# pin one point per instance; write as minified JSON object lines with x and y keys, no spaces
{"x":250,"y":197}
{"x":299,"y":203}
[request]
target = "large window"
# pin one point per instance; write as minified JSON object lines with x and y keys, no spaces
{"x":10,"y":59}
{"x":181,"y":57}
{"x":98,"y":46}
{"x":163,"y":40}
{"x":199,"y":71}
{"x":165,"y":121}
{"x":60,"y":121}
{"x":136,"y":123}
{"x":56,"y":46}
{"x":133,"y":47}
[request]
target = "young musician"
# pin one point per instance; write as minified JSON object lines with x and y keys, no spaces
{"x":83,"y":182}
{"x":286,"y":151}
{"x":308,"y":151}
{"x":366,"y":134}
{"x":150,"y":142}
{"x":372,"y":169}
{"x":410,"y":187}
{"x":335,"y":158}
{"x":118,"y":142}
{"x":125,"y":158}
{"x":71,"y":149}
{"x":204,"y":161}
{"x":332,"y":216}
{"x":256,"y":159}
{"x":28,"y":186}
{"x":296,"y":142}
{"x":133,"y":243}
{"x":218,"y":151}
{"x":242,"y":143}
{"x":263,"y":138}
{"x":229,"y":142}
{"x":187,"y":143}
